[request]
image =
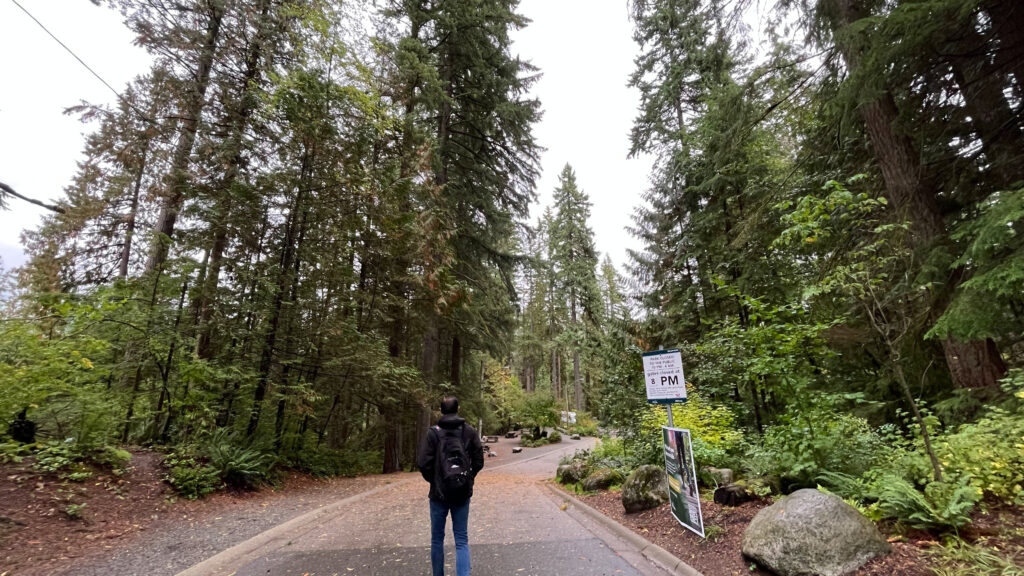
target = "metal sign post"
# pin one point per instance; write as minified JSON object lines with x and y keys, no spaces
{"x":666,"y":384}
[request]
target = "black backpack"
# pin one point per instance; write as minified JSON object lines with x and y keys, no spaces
{"x":454,"y":478}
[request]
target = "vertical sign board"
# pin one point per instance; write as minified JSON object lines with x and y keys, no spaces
{"x":663,"y":373}
{"x":682,"y":479}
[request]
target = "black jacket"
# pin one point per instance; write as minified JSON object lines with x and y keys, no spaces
{"x":426,"y":459}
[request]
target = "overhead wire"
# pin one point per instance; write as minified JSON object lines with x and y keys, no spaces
{"x":134,"y":108}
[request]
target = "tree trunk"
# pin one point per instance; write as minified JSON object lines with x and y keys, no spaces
{"x":974,"y":364}
{"x":577,"y":380}
{"x":288,"y":255}
{"x":392,"y":444}
{"x":456,"y":370}
{"x":555,"y":385}
{"x":178,"y":176}
{"x":971,"y":364}
{"x":165,"y":375}
{"x":129,"y":233}
{"x":239,"y":123}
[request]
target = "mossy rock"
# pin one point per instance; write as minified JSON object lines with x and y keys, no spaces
{"x":602,"y":479}
{"x":573,"y":472}
{"x":646,"y":488}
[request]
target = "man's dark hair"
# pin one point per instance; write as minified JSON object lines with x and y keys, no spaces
{"x":450,"y":405}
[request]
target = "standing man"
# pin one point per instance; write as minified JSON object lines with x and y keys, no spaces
{"x":450,"y":458}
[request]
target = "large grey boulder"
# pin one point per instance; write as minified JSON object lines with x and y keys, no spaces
{"x":572,"y":472}
{"x":646,"y":488}
{"x":601,"y":479}
{"x":810,"y":533}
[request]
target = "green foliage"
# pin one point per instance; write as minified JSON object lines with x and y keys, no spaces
{"x":13,"y":452}
{"x":586,"y":425}
{"x":609,"y":453}
{"x":539,"y":410}
{"x":236,"y":465}
{"x":116,"y":459}
{"x":808,"y":444}
{"x":714,"y":532}
{"x":984,"y":305}
{"x":711,"y":425}
{"x":75,"y":511}
{"x":555,"y":437}
{"x":533,"y":443}
{"x":504,"y":393}
{"x":349,"y":462}
{"x":190,"y":478}
{"x":989,"y":453}
{"x":56,"y":456}
{"x":980,"y":460}
{"x":957,"y":557}
{"x":940,"y":506}
{"x":53,"y":370}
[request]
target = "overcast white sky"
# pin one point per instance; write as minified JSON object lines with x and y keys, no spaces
{"x":583,"y":47}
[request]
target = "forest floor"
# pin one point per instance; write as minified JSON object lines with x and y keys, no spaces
{"x":116,"y":515}
{"x":720,"y":555}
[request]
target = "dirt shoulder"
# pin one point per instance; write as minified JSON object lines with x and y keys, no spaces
{"x":133,"y":524}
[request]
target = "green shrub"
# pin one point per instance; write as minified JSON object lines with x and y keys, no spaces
{"x":114,"y":458}
{"x":555,"y":437}
{"x":608,"y":453}
{"x":884,"y":494}
{"x":984,"y":459}
{"x":238,"y":466}
{"x":74,"y":511}
{"x":807,"y":446}
{"x":989,"y":451}
{"x":190,"y":478}
{"x":585,"y":425}
{"x":531,"y":443}
{"x":713,"y":424}
{"x":56,"y":456}
{"x":940,"y":506}
{"x":13,"y":452}
{"x":328,"y":462}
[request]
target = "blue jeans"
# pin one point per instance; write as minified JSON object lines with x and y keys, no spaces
{"x":460,"y":528}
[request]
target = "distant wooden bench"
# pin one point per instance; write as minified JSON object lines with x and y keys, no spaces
{"x":490,"y":439}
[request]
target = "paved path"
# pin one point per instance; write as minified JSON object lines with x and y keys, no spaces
{"x":516,"y":527}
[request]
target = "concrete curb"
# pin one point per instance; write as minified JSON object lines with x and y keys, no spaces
{"x":227,"y":561}
{"x":652,"y":551}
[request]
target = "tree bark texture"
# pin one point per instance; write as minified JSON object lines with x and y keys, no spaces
{"x":971,"y":364}
{"x":178,"y":176}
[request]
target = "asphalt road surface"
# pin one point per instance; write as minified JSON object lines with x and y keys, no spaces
{"x":517,"y":527}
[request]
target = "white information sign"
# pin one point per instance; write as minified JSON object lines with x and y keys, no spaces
{"x":663,"y":373}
